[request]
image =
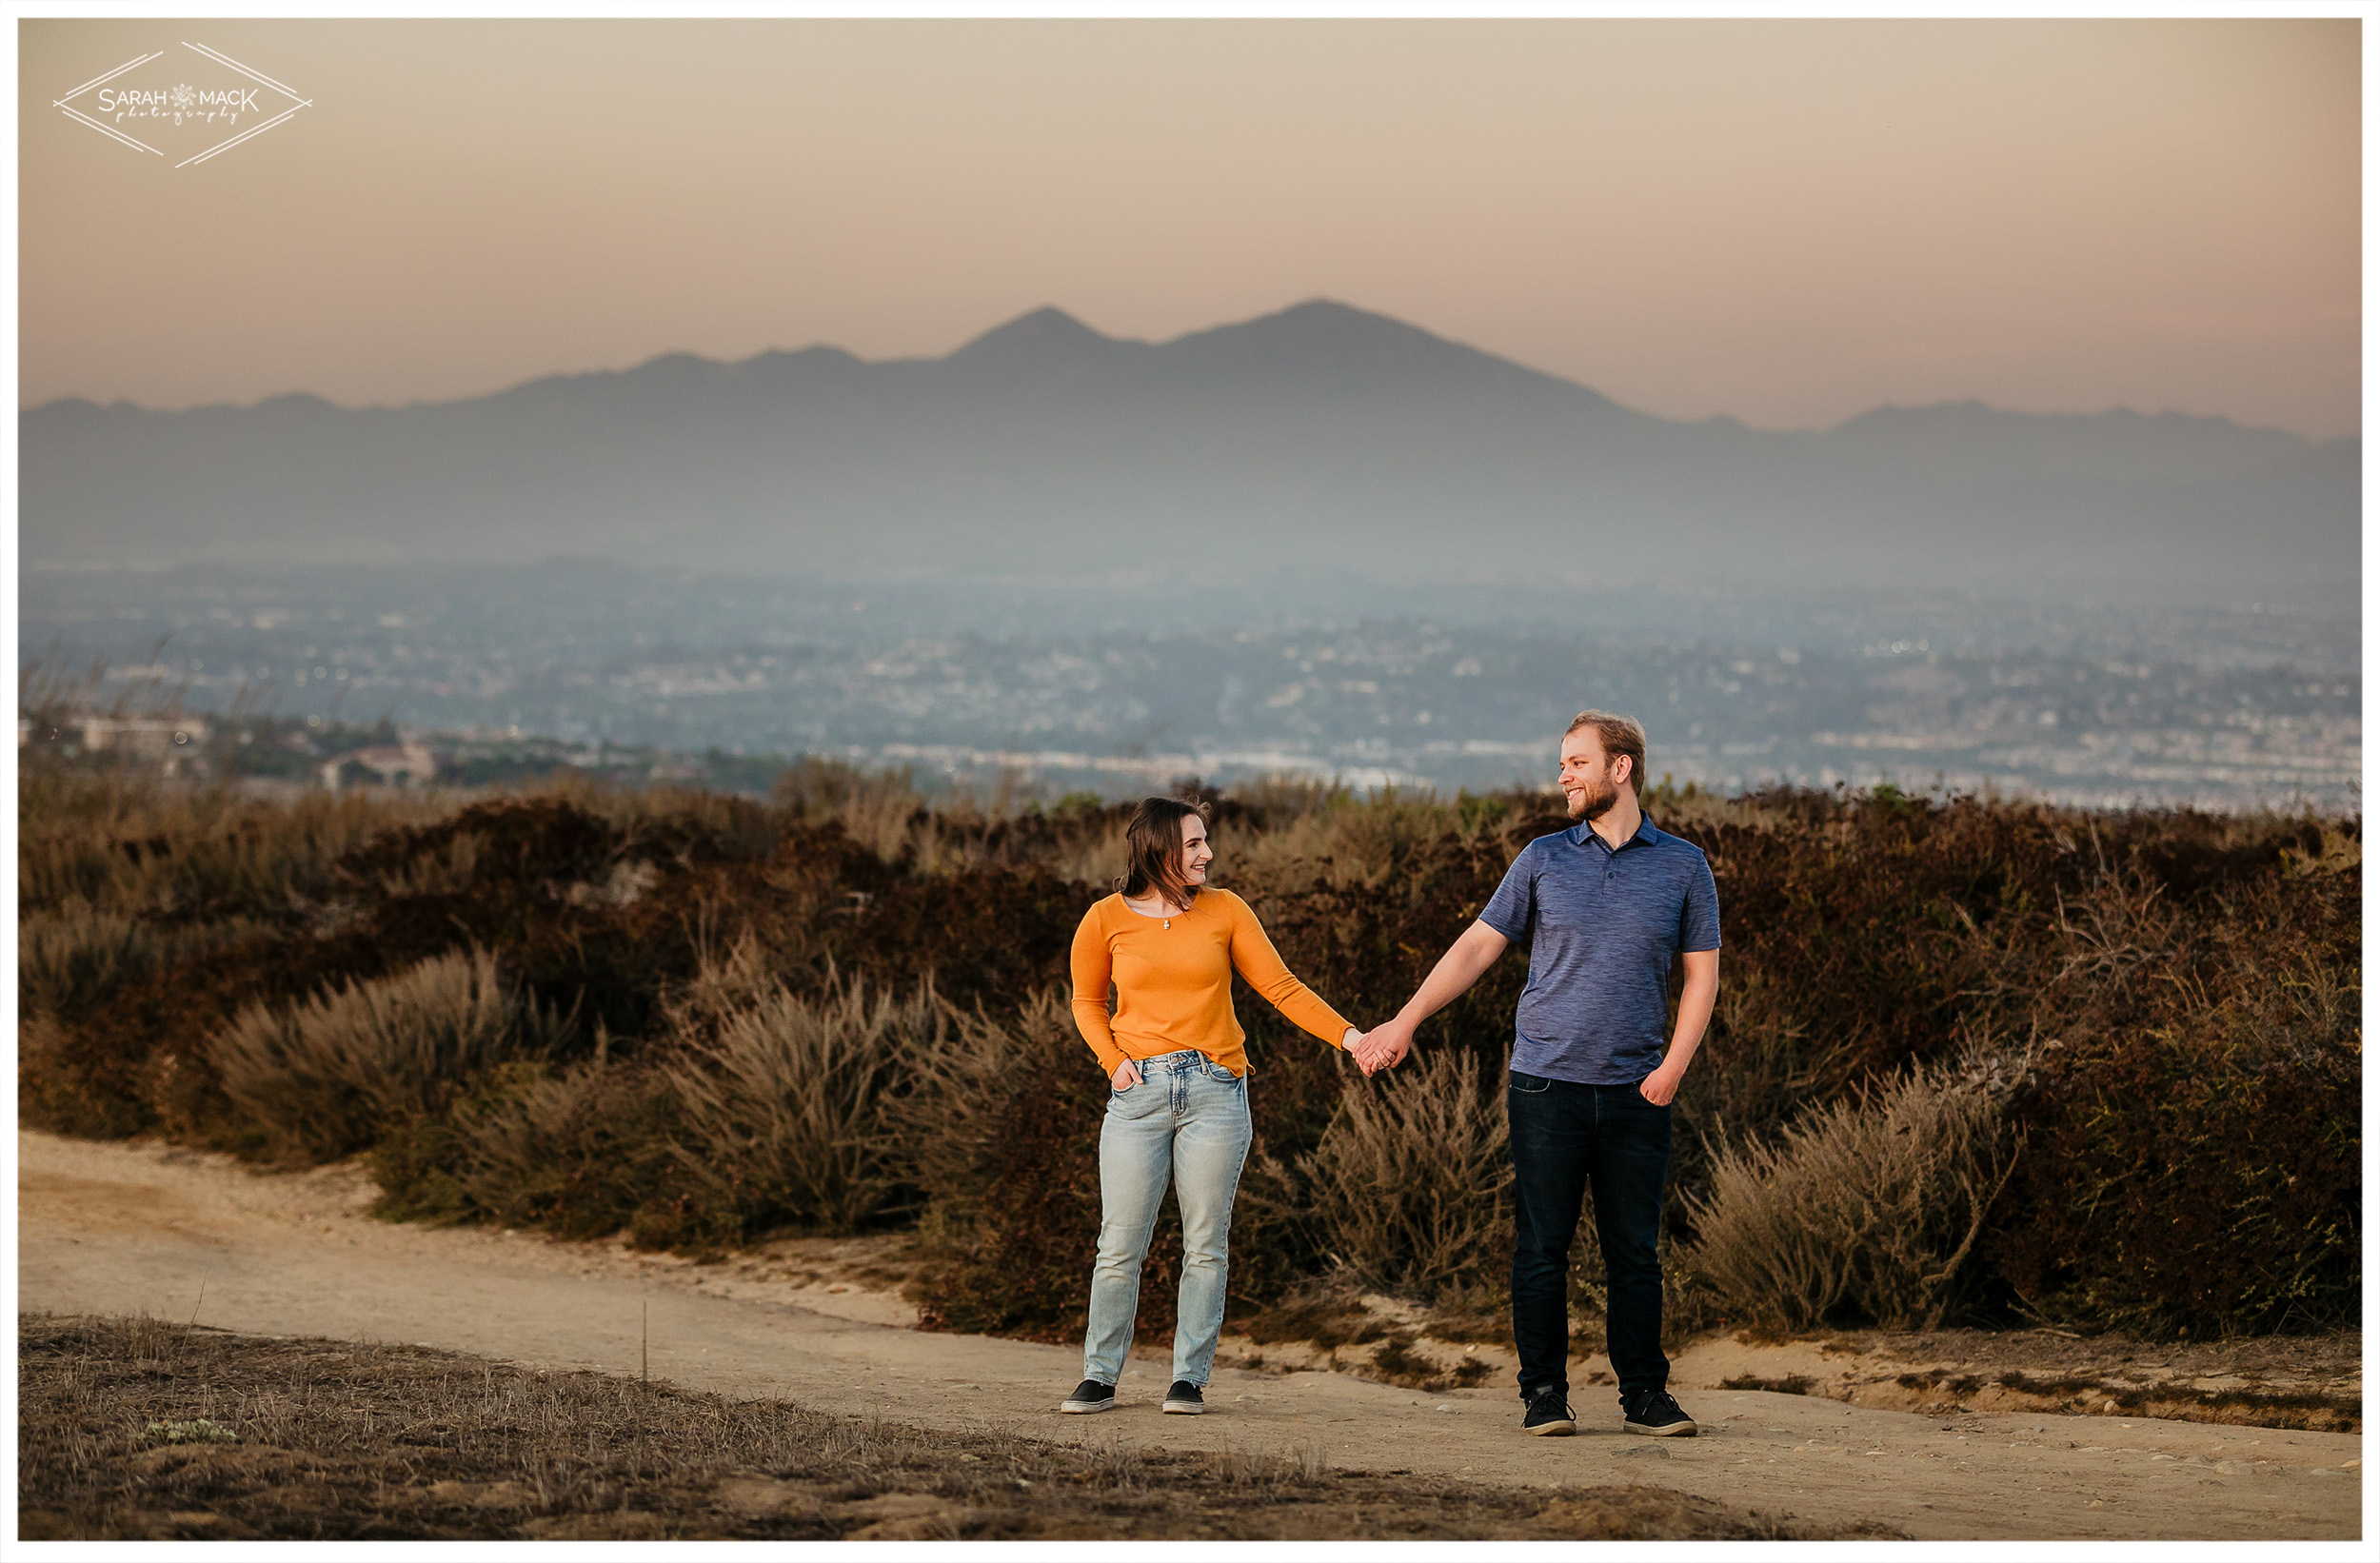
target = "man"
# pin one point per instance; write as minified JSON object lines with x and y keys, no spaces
{"x":1604,"y":906}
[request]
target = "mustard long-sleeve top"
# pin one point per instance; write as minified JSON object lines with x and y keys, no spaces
{"x":1173,"y":982}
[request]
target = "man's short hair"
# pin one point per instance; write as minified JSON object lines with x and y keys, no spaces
{"x":1618,"y":735}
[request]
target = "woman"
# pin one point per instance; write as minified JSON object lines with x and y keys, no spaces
{"x":1178,"y":1063}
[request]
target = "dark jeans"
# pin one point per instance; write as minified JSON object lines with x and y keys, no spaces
{"x":1567,"y":1138}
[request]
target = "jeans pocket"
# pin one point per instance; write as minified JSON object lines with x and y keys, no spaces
{"x":1221,"y":1076}
{"x":1530,"y":1085}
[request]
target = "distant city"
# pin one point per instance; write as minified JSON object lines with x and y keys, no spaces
{"x":1118,"y":685}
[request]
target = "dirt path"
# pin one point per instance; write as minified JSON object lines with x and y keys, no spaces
{"x":127,"y":1228}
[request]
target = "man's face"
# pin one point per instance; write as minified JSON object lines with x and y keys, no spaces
{"x":1588,"y":785}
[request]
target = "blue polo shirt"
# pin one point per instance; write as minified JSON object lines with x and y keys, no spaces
{"x":1603,"y":927}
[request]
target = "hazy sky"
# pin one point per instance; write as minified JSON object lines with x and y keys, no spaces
{"x":1789,"y":221}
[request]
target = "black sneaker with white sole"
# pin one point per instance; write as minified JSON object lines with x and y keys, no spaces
{"x":1090,"y":1396}
{"x":1549,"y":1415}
{"x":1183,"y":1400}
{"x":1655,"y":1414}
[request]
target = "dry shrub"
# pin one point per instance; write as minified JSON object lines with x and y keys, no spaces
{"x":881,"y":810}
{"x":730,"y":976}
{"x":134,"y":845}
{"x":1871,"y":1205}
{"x":77,"y":955}
{"x":576,"y":1152}
{"x":1092,"y":856}
{"x":1336,"y":840}
{"x":447,"y":868}
{"x":958,"y":1115}
{"x":330,"y":1074}
{"x":790,"y":1115}
{"x":1410,"y":1183}
{"x":1775,"y":1066}
{"x":1010,"y":1161}
{"x":2197,"y":1143}
{"x":729,"y":825}
{"x":43,"y":1043}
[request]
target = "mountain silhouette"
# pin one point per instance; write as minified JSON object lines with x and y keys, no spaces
{"x":1322,"y":437}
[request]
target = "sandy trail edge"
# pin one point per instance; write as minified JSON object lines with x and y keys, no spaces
{"x":107,"y":1227}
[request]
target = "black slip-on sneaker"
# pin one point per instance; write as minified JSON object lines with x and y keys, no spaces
{"x":1549,"y":1415}
{"x":1655,"y":1416}
{"x":1089,"y":1395}
{"x":1183,"y":1400}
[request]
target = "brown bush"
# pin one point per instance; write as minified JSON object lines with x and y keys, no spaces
{"x":329,"y":1076}
{"x":791,"y":1115}
{"x":72,"y":956}
{"x":578,"y":1153}
{"x":974,"y":1077}
{"x":141,"y":845}
{"x":1012,"y":1184}
{"x":2197,"y":1121}
{"x":1410,"y":1183}
{"x":1866,"y":1209}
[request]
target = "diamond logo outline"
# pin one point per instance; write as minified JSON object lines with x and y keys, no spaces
{"x":184,"y":100}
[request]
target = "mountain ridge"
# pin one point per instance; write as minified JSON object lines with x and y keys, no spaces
{"x":1305,"y":437}
{"x":845,"y":357}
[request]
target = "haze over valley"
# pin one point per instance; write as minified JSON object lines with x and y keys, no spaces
{"x":1120,"y":689}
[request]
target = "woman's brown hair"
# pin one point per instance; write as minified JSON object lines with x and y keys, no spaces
{"x":1153,"y":850}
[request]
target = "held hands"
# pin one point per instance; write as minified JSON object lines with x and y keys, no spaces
{"x":1383,"y":1047}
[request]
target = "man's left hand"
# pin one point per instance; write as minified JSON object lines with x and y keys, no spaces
{"x":1659,"y":1086}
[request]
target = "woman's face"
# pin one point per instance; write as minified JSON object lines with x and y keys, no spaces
{"x":1196,"y":854}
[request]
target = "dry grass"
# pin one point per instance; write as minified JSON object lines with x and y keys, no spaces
{"x":75,"y":956}
{"x":576,"y":1151}
{"x":642,"y":815}
{"x":329,"y":1076}
{"x":963,"y":1097}
{"x":128,"y":845}
{"x":791,"y":1113}
{"x":881,"y":810}
{"x":1409,"y":1183}
{"x":729,"y":977}
{"x":330,"y":1440}
{"x":1094,"y":856}
{"x":1317,"y":836}
{"x":1870,"y":1204}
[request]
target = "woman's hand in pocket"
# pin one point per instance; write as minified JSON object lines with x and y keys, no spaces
{"x":1126,"y":1077}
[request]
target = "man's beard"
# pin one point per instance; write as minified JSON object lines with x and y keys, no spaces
{"x":1595,"y":801}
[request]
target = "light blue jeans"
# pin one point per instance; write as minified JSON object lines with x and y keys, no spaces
{"x":1186,"y":1122}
